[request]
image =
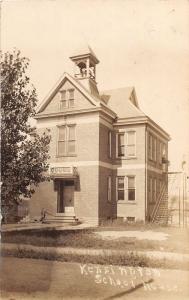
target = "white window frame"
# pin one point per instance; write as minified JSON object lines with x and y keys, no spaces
{"x":71,"y":98}
{"x":71,"y":140}
{"x":121,"y":200}
{"x":150,"y":189}
{"x":117,"y":134}
{"x":126,"y":189}
{"x":160,"y":152}
{"x":150,"y":154}
{"x":63,"y":100}
{"x":154,"y":190}
{"x":67,"y":98}
{"x":66,"y":140}
{"x":164,"y":151}
{"x":58,"y":140}
{"x":128,"y":145}
{"x":109,"y":188}
{"x":154,"y":149}
{"x":131,"y":176}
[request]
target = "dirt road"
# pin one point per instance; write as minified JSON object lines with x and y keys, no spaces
{"x":42,"y":279}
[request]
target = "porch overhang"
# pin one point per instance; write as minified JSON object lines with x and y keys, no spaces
{"x":63,"y":172}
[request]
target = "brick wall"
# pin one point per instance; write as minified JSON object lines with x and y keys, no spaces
{"x":136,"y":208}
{"x":86,"y":196}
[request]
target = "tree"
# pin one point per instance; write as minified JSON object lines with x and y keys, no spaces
{"x":24,"y":153}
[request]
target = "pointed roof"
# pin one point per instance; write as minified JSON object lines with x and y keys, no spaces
{"x":94,"y":100}
{"x":84,"y":50}
{"x":123,"y":101}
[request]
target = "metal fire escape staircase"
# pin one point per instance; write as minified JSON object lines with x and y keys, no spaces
{"x":162,"y":209}
{"x":160,"y":212}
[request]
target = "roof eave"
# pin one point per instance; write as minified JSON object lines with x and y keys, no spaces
{"x":142,"y":120}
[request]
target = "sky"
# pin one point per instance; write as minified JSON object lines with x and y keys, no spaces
{"x":140,"y":43}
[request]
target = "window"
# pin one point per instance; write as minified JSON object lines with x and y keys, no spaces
{"x":160,"y":152}
{"x":130,"y":192}
{"x":71,"y":139}
{"x":164,"y":154}
{"x":71,"y":98}
{"x":63,"y":102}
{"x":109,"y":144}
{"x":130,"y":144}
{"x":120,"y":145}
{"x":62,"y":141}
{"x":154,"y":149}
{"x":67,"y":98}
{"x":131,"y":188}
{"x":131,"y":219}
{"x":120,"y":188}
{"x":109,"y":188}
{"x":150,"y":141}
{"x":154,"y":191}
{"x":66,"y":140}
{"x":150,"y":189}
{"x":160,"y":186}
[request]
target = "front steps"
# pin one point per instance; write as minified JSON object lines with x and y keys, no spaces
{"x":61,"y":218}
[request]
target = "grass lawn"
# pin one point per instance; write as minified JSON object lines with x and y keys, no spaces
{"x":177,"y":241}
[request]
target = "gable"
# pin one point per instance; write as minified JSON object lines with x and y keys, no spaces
{"x":59,"y":98}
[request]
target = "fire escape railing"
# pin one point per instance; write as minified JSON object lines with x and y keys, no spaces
{"x":160,"y":198}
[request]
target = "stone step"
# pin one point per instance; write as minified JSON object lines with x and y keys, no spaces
{"x":61,"y":218}
{"x":61,"y":221}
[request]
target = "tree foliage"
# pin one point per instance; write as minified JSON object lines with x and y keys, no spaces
{"x":24,"y":153}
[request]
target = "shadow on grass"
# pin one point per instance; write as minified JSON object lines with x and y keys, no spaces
{"x":138,"y":286}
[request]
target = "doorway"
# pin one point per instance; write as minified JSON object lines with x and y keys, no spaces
{"x":66,"y":196}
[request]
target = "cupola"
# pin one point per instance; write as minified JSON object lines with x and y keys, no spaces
{"x":85,"y":62}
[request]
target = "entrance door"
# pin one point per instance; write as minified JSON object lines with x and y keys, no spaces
{"x":66,"y":196}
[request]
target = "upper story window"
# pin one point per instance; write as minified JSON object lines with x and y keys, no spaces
{"x":162,"y":153}
{"x":67,"y":98}
{"x":152,"y":147}
{"x":66,"y":140}
{"x":63,"y":101}
{"x":126,"y":144}
{"x":71,"y":98}
{"x":109,"y":144}
{"x":71,"y":139}
{"x":130,"y":143}
{"x":120,"y":144}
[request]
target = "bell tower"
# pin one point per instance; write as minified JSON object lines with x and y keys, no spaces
{"x":85,"y":62}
